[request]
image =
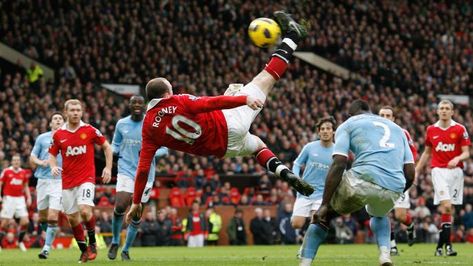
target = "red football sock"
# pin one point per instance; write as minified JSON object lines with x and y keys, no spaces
{"x":90,"y":224}
{"x":408,"y":219}
{"x":276,"y":67}
{"x":445,"y":218}
{"x":263,"y":156}
{"x":78,"y":233}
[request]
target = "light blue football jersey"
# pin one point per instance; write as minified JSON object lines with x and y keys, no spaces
{"x":41,"y":151}
{"x":317,"y":160}
{"x":127,"y":144}
{"x":380,"y":147}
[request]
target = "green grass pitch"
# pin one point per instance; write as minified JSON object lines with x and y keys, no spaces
{"x":345,"y":255}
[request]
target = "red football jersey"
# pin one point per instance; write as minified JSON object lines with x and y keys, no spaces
{"x":446,"y":143}
{"x":186,"y":123}
{"x":77,"y":151}
{"x":14,"y":182}
{"x":411,"y":144}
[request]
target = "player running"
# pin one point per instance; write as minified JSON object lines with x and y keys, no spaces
{"x":403,"y":204}
{"x":14,"y":202}
{"x":383,"y":168}
{"x":49,"y":187}
{"x":316,"y":158}
{"x":447,"y":142}
{"x":75,"y":141}
{"x":216,"y":125}
{"x":127,"y":144}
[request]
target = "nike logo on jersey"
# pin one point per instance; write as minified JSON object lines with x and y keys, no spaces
{"x":435,"y":137}
{"x":63,"y":140}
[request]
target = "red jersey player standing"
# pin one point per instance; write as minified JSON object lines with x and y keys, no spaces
{"x":75,"y":141}
{"x":403,"y":204}
{"x":14,"y":203}
{"x":216,"y":125}
{"x":448,"y":143}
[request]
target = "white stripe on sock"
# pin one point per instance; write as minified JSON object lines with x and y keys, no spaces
{"x":279,"y":169}
{"x":290,"y":42}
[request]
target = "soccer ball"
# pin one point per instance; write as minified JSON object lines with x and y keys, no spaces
{"x":264,"y":32}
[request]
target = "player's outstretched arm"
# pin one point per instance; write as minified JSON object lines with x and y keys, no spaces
{"x":107,"y":171}
{"x":209,"y":104}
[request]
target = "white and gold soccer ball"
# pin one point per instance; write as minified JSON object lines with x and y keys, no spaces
{"x":264,"y":32}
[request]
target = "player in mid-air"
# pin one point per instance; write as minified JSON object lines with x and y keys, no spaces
{"x":382,"y":170}
{"x":75,"y":141}
{"x":447,"y":143}
{"x":49,"y":187}
{"x":403,"y":204}
{"x":17,"y":197}
{"x":216,"y":125}
{"x":316,"y":158}
{"x":126,"y":144}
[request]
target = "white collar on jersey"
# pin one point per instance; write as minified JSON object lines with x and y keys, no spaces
{"x":81,"y":124}
{"x":13,"y":169}
{"x":153,"y":103}
{"x":452,"y":123}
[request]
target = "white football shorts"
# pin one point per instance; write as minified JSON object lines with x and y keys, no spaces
{"x":13,"y":207}
{"x":127,"y":184}
{"x":49,"y":194}
{"x":304,"y":206}
{"x":353,"y":193}
{"x":403,"y":202}
{"x":448,"y":185}
{"x":240,"y":141}
{"x":81,"y":195}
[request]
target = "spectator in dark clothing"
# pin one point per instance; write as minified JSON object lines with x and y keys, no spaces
{"x":467,"y":218}
{"x":264,"y":185}
{"x":274,"y":225}
{"x":236,"y":229}
{"x":261,"y":229}
{"x":288,"y":234}
{"x":177,"y":237}
{"x":149,"y":228}
{"x":164,"y":229}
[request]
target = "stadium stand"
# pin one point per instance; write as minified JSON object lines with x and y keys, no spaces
{"x":202,"y":47}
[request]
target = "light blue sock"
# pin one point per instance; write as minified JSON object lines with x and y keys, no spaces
{"x":314,"y":237}
{"x":117,"y":222}
{"x":382,"y":230}
{"x":50,"y":235}
{"x":131,"y":232}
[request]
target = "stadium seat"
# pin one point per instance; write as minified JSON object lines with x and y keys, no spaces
{"x":235,"y":196}
{"x":190,"y":196}
{"x":175,"y":198}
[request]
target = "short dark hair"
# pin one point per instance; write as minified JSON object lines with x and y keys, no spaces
{"x":156,"y":88}
{"x":359,"y":106}
{"x":56,"y":113}
{"x":329,"y":119}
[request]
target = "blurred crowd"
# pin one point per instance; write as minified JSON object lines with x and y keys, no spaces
{"x":407,"y":52}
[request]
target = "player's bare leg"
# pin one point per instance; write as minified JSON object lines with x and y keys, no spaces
{"x":86,"y":213}
{"x":78,"y":232}
{"x":445,"y":230}
{"x":43,"y":219}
